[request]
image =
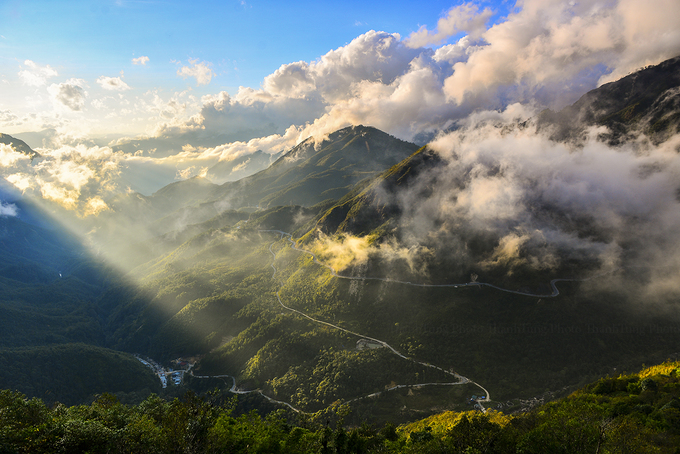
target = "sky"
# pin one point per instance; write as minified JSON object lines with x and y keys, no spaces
{"x":125,"y":95}
{"x":127,"y":56}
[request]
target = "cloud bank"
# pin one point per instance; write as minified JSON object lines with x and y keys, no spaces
{"x":544,"y":53}
{"x":508,"y":201}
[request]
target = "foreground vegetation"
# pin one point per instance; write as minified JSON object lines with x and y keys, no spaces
{"x":636,"y":413}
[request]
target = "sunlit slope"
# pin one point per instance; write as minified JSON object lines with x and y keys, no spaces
{"x":184,"y":302}
{"x":216,"y":296}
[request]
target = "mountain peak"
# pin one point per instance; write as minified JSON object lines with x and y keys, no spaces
{"x":317,"y":170}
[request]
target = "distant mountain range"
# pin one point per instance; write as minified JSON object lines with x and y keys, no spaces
{"x":306,"y":175}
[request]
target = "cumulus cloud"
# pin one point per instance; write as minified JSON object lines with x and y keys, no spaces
{"x":77,"y":178}
{"x":463,"y":18}
{"x":297,"y":93}
{"x":70,"y":94}
{"x":36,"y":75}
{"x":201,"y":71}
{"x":549,"y":45}
{"x":543,"y":52}
{"x":143,"y":60}
{"x":112,"y":83}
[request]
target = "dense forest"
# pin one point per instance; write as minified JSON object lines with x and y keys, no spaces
{"x":630,"y":413}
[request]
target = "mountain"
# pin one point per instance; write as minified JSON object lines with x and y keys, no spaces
{"x":390,"y":292}
{"x":315,"y":171}
{"x":19,"y":145}
{"x":306,"y":175}
{"x":647,"y":101}
{"x":240,"y":167}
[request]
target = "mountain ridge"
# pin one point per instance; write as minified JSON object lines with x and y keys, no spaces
{"x":18,"y":145}
{"x":645,"y":101}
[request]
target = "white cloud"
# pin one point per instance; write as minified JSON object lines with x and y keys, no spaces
{"x":35,"y":75}
{"x":201,"y":71}
{"x":112,"y":83}
{"x":143,"y":60}
{"x":462,"y":18}
{"x":10,"y":157}
{"x":549,"y":44}
{"x":543,"y":54}
{"x":544,"y":202}
{"x":70,"y":94}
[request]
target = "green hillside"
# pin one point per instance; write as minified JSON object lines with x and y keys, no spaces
{"x":629,"y":413}
{"x":74,"y":373}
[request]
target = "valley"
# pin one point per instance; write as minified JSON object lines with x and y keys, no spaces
{"x":503,"y":260}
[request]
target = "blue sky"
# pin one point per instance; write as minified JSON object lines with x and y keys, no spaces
{"x":255,"y":37}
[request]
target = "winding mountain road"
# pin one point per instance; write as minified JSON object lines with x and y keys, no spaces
{"x":555,"y":291}
{"x":461,"y":380}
